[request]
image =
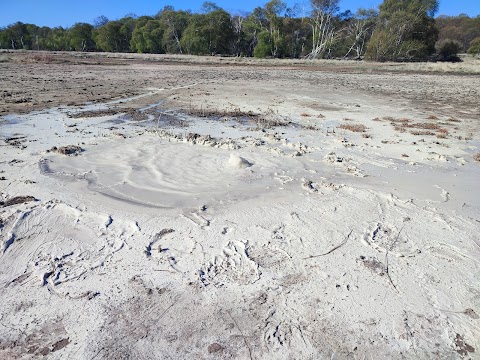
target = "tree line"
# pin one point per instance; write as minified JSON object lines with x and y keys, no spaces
{"x":400,"y":29}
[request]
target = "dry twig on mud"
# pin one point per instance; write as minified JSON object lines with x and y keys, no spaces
{"x":241,"y":332}
{"x":386,"y":258}
{"x":335,"y":248}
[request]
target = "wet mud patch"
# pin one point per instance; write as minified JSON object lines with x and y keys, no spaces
{"x":69,"y":150}
{"x":16,"y":200}
{"x":160,"y":323}
{"x":40,"y":342}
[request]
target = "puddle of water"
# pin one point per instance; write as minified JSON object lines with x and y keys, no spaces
{"x":9,"y":120}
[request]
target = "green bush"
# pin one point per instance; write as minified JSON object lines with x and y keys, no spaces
{"x":264,"y":45}
{"x":474,"y":46}
{"x":448,"y":49}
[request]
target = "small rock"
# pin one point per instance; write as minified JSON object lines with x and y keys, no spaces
{"x":213,"y":348}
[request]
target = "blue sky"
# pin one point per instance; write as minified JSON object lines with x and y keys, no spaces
{"x":67,"y":12}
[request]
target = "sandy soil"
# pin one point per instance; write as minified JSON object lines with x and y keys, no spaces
{"x":180,"y":207}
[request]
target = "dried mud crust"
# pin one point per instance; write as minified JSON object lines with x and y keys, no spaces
{"x":28,"y":86}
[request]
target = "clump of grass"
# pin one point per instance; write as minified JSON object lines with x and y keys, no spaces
{"x":405,"y":155}
{"x":44,"y":58}
{"x":426,"y":126}
{"x":432,"y":117}
{"x":377,"y":119}
{"x":4,"y":59}
{"x":442,"y":133}
{"x":304,"y":114}
{"x":454,"y":120}
{"x":207,"y":112}
{"x":421,"y":133}
{"x":402,"y":129}
{"x":476,"y":157}
{"x":354,"y":127}
{"x":366,"y":136}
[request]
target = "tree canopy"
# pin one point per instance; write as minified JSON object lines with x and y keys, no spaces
{"x":404,"y":29}
{"x":400,"y":30}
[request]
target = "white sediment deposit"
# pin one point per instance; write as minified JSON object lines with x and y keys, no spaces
{"x":238,"y":162}
{"x":288,"y":242}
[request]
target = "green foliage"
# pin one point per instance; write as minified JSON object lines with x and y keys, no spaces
{"x":18,"y":37}
{"x":147,"y":37}
{"x":81,"y":37}
{"x":264,"y":45}
{"x":404,"y":29}
{"x":208,"y":34}
{"x":461,"y":28}
{"x":474,"y":46}
{"x":448,"y":49}
{"x":175,"y":23}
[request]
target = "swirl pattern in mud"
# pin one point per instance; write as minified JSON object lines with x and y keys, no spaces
{"x":149,"y":172}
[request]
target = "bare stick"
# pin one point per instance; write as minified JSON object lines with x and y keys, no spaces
{"x":241,"y":332}
{"x":335,"y":248}
{"x":386,"y":257}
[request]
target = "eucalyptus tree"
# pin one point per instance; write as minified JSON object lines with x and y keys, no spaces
{"x":174,"y":23}
{"x":322,"y":22}
{"x":81,"y":37}
{"x":359,"y":30}
{"x":405,"y":29}
{"x":208,"y":34}
{"x":147,"y":37}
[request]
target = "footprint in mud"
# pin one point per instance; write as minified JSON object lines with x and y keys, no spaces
{"x":196,"y":218}
{"x":283,"y":236}
{"x":277,"y":264}
{"x":233,"y":266}
{"x":38,"y":343}
{"x":57,"y":243}
{"x":383,"y":237}
{"x":283,"y":329}
{"x":156,"y":238}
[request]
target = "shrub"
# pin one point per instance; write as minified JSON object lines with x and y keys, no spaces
{"x":263,"y":48}
{"x":354,"y":128}
{"x":474,"y":46}
{"x":448,"y":49}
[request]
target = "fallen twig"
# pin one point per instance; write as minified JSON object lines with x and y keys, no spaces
{"x":241,"y":332}
{"x":386,"y":258}
{"x":335,"y":248}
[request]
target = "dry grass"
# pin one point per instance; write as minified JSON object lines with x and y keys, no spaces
{"x":470,"y":64}
{"x":37,"y":58}
{"x":432,"y":117}
{"x":377,"y":119}
{"x":366,"y":136}
{"x":426,"y":126}
{"x":454,"y":120}
{"x":476,"y":157}
{"x":402,"y":124}
{"x":304,"y":114}
{"x":353,"y":127}
{"x":442,"y":133}
{"x":422,"y":133}
{"x":204,"y":112}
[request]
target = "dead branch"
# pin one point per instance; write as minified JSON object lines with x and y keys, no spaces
{"x":335,"y":248}
{"x":241,"y":332}
{"x":386,"y":257}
